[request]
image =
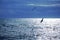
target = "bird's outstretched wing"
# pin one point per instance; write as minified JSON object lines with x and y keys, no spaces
{"x":41,"y":20}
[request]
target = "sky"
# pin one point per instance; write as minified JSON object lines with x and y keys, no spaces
{"x":29,"y":8}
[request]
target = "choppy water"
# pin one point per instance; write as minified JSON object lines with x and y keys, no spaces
{"x":29,"y":29}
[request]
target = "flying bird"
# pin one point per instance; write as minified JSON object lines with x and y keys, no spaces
{"x":41,"y":20}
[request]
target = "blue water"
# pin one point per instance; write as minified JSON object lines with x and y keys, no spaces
{"x":20,"y":9}
{"x":29,"y":29}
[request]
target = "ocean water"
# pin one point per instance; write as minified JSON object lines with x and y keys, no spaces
{"x":29,"y":8}
{"x":29,"y":29}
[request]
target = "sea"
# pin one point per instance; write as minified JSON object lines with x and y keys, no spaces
{"x":29,"y":28}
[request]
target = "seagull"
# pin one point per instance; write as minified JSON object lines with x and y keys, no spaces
{"x":41,"y":20}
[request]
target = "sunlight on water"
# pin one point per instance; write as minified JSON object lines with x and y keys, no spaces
{"x":30,"y":29}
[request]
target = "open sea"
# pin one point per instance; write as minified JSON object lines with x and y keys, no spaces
{"x":29,"y":29}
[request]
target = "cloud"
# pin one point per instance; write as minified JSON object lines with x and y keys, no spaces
{"x":44,"y":5}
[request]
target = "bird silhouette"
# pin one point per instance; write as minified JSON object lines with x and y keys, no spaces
{"x":41,"y":20}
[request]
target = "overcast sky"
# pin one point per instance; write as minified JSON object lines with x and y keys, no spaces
{"x":29,"y":8}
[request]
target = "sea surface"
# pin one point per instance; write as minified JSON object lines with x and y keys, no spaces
{"x":29,"y":8}
{"x":29,"y":29}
